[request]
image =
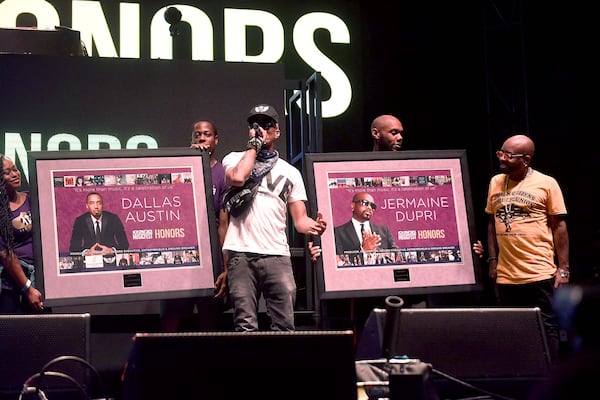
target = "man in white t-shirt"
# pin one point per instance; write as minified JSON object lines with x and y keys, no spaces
{"x":263,"y":188}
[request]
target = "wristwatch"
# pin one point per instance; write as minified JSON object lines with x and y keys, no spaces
{"x":564,"y":273}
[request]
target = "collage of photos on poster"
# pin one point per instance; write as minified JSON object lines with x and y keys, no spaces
{"x":390,"y":181}
{"x":127,"y":260}
{"x":397,"y":256}
{"x":122,"y":179}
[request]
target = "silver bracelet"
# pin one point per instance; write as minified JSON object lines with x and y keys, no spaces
{"x":26,"y":286}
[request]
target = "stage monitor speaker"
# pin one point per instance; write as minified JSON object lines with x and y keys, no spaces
{"x":234,"y":365}
{"x":60,"y":41}
{"x":493,"y":348}
{"x":29,"y":342}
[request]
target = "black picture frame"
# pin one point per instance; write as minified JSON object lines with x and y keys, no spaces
{"x":163,"y":198}
{"x":424,"y":199}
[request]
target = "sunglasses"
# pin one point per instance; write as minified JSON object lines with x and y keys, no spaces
{"x":265,"y":124}
{"x":509,"y":155}
{"x":367,"y":203}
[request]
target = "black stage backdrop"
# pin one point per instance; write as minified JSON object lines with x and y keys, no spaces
{"x":459,"y":76}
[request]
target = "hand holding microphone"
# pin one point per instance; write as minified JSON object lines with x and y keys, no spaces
{"x":255,"y":142}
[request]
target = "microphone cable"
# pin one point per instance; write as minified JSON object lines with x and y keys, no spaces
{"x":45,"y":371}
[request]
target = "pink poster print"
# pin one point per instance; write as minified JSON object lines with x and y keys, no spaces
{"x":122,"y":224}
{"x":399,"y":223}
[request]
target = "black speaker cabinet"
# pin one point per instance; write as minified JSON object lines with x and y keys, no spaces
{"x":60,"y":41}
{"x":29,"y":342}
{"x":501,"y":349}
{"x":231,"y":365}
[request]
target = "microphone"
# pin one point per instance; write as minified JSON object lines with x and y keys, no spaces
{"x":257,"y":141}
{"x":173,"y":17}
{"x":393,"y":304}
{"x":256,"y":130}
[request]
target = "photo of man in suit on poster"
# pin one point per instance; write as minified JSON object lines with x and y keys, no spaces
{"x":98,"y":232}
{"x":359,"y":234}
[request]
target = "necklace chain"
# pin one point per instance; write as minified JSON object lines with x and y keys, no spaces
{"x":508,"y":207}
{"x":529,"y":172}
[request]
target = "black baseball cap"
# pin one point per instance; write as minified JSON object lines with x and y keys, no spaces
{"x":262,"y":110}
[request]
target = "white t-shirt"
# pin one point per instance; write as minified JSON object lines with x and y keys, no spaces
{"x":262,"y":229}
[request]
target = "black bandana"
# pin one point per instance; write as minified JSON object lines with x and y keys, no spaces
{"x":238,"y":198}
{"x":265,"y":161}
